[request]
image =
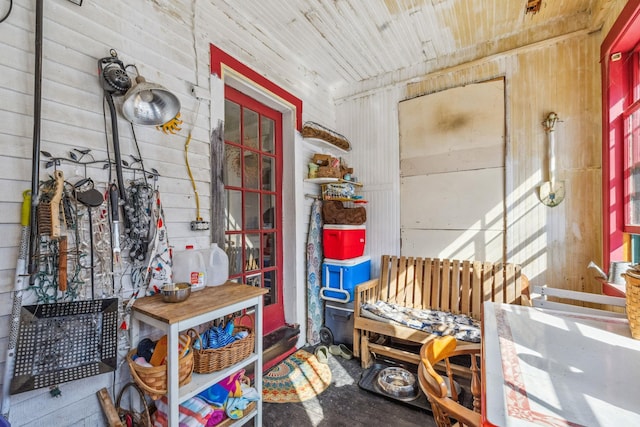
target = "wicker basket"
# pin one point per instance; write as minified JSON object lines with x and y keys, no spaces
{"x":215,"y":359}
{"x":153,"y":379}
{"x":315,"y":130}
{"x":633,"y":303}
{"x":140,"y":419}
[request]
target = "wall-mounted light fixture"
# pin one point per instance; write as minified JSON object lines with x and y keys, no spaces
{"x":551,"y":192}
{"x":149,"y":104}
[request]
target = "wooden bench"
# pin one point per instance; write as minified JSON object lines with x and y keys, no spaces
{"x":441,"y":284}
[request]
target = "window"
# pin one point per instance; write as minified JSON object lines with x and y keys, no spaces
{"x":632,"y":169}
{"x":621,"y":137}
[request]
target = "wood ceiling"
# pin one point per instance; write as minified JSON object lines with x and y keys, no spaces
{"x":341,"y":43}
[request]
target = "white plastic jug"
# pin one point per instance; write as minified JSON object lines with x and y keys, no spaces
{"x":189,"y":266}
{"x":218,"y":266}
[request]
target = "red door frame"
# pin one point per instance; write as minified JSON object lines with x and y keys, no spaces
{"x":616,"y":84}
{"x":222,"y":62}
{"x":274,"y":312}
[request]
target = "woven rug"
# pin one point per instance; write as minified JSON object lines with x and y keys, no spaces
{"x":298,"y":378}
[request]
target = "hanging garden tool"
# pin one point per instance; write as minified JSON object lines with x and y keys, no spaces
{"x":21,"y":273}
{"x":90,"y":198}
{"x":552,"y":192}
{"x":49,"y":207}
{"x":144,"y":103}
{"x":115,"y":81}
{"x":115,"y":219}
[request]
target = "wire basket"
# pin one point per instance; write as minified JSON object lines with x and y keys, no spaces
{"x":338,"y":191}
{"x":153,"y":379}
{"x":216,"y":359}
{"x":633,"y":302}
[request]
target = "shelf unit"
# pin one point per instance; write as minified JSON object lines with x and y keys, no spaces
{"x":324,"y":181}
{"x":332,"y":181}
{"x":200,"y":308}
{"x":318,"y":142}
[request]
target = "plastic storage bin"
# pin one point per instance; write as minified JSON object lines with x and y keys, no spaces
{"x":340,"y":277}
{"x":343,"y":241}
{"x":338,"y":318}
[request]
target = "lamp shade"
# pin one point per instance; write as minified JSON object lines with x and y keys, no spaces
{"x":149,"y":104}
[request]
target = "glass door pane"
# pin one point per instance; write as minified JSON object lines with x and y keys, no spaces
{"x":252,"y":180}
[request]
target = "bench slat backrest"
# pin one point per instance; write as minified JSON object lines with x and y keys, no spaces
{"x":448,"y":285}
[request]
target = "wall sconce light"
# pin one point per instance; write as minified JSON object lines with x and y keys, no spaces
{"x":551,"y":192}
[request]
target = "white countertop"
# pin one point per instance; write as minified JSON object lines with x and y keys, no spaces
{"x":547,"y":367}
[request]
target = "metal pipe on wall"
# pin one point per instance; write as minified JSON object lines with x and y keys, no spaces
{"x":35,"y":155}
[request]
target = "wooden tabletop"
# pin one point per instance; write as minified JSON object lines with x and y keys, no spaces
{"x":199,"y":302}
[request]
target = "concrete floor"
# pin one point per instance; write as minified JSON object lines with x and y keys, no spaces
{"x":344,"y":403}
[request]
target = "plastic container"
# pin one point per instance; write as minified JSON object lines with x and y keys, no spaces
{"x":338,"y":318}
{"x":217,"y":265}
{"x":189,"y":266}
{"x":343,"y":241}
{"x":340,"y":277}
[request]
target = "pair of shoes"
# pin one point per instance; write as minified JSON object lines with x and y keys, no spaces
{"x":341,"y":350}
{"x":322,"y":354}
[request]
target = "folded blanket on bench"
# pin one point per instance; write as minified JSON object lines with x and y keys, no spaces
{"x":435,"y":322}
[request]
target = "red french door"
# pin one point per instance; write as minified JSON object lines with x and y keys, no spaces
{"x":252,"y":175}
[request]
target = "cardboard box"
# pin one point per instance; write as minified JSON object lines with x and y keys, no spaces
{"x":321,"y":159}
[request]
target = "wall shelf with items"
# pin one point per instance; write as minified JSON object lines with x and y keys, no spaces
{"x":338,"y":189}
{"x":331,"y":181}
{"x":316,"y":133}
{"x":207,"y":305}
{"x":321,"y":143}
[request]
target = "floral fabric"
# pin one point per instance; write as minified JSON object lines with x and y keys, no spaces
{"x":435,"y":322}
{"x":315,"y":310}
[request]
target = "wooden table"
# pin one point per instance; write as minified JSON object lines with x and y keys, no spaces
{"x":555,"y":368}
{"x":200,"y":308}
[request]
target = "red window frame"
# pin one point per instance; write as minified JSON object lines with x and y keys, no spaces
{"x":619,"y":63}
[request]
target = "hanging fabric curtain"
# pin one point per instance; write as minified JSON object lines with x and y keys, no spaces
{"x":314,"y":267}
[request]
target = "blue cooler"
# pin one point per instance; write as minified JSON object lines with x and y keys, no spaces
{"x":340,"y":277}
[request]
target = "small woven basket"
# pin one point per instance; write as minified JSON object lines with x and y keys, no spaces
{"x":153,"y":379}
{"x":315,"y":130}
{"x":137,"y":419}
{"x":215,"y":359}
{"x":633,"y":303}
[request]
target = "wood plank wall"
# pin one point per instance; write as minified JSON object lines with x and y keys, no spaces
{"x":553,"y":245}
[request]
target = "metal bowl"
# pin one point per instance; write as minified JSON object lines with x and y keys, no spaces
{"x":398,"y":382}
{"x":175,"y":292}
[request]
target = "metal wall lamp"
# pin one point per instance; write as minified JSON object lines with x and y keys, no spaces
{"x":552,"y":192}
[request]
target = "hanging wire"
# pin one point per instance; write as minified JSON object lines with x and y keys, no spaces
{"x":186,"y":159}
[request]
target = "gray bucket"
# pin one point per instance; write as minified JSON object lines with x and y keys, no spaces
{"x":616,"y":270}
